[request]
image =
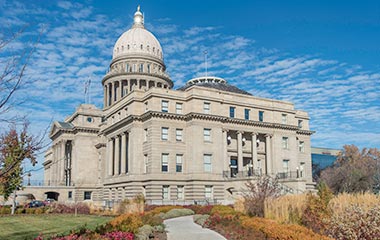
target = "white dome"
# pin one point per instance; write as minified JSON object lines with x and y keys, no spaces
{"x":137,"y":40}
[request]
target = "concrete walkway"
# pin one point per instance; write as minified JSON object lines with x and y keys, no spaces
{"x":184,"y":228}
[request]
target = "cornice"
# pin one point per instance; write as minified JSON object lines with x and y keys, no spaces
{"x":191,"y":116}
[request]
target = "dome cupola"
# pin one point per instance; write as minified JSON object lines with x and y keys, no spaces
{"x":138,"y":40}
{"x":137,"y":63}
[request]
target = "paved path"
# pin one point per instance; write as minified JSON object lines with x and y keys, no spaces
{"x":184,"y":228}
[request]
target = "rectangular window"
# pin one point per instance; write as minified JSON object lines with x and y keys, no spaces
{"x":261,"y":116}
{"x":207,"y":135}
{"x":87,"y":195}
{"x":164,"y":162}
{"x":207,"y":162}
{"x":302,"y":167}
{"x":285,"y":142}
{"x":180,"y":192}
{"x":70,"y":195}
{"x":246,"y":114}
{"x":178,"y":134}
{"x":178,"y":163}
{"x":164,"y":133}
{"x":301,"y":146}
{"x":206,"y":107}
{"x":284,"y":119}
{"x":165,"y":192}
{"x":141,"y":68}
{"x":232,"y":112}
{"x":285,"y":165}
{"x":208,"y":192}
{"x":145,"y":134}
{"x":178,"y":108}
{"x":300,"y":122}
{"x":164,"y":106}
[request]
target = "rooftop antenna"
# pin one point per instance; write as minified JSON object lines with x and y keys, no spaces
{"x":205,"y":53}
{"x":87,"y":85}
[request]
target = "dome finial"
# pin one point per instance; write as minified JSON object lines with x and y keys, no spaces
{"x":138,"y":19}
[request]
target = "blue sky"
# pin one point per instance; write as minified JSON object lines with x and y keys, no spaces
{"x":322,"y":55}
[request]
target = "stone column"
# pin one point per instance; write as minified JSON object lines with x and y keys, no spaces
{"x":254,"y":149}
{"x":110,"y":97}
{"x":105,"y":96}
{"x":123,"y":152}
{"x":226,"y":162}
{"x":110,"y":156}
{"x":128,"y":149}
{"x":117,"y":155}
{"x":240,"y":151}
{"x":268,"y":154}
{"x":63,"y":161}
{"x":121,"y":89}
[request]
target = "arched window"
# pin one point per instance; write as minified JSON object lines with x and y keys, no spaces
{"x":128,"y":46}
{"x":122,"y":48}
{"x":153,"y":49}
{"x":141,"y":46}
{"x":141,"y":68}
{"x":148,"y":68}
{"x":126,"y":67}
{"x":147,"y":48}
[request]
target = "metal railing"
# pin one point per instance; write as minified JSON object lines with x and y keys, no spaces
{"x":289,"y":175}
{"x":241,"y":174}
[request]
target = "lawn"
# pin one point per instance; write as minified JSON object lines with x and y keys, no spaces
{"x":29,"y":226}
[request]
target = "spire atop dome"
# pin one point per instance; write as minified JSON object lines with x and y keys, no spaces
{"x":138,"y":19}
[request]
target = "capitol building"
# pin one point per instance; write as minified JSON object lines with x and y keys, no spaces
{"x":200,"y":142}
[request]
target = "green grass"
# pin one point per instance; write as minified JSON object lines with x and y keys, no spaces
{"x":30,"y":226}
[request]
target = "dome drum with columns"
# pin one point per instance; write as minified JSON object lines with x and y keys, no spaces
{"x":137,"y":63}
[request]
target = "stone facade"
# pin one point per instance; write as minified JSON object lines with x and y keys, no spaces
{"x":201,"y":142}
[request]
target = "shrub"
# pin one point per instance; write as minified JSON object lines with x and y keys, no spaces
{"x":177,"y":213}
{"x":20,"y":211}
{"x":286,"y":209}
{"x":82,"y":208}
{"x":162,"y":209}
{"x":341,"y":202}
{"x":199,"y":209}
{"x":258,"y":192}
{"x":222,"y":210}
{"x":118,"y":236}
{"x":5,"y":210}
{"x":152,"y":220}
{"x":273,"y":230}
{"x":30,"y":210}
{"x":127,"y":223}
{"x":317,"y":209}
{"x":200,"y":219}
{"x":355,"y":223}
{"x":145,"y":232}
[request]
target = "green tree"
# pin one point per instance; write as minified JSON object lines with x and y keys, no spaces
{"x":354,"y":170}
{"x":15,"y":147}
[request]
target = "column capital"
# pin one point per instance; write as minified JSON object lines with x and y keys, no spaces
{"x":268,"y":135}
{"x":240,"y":132}
{"x":254,"y":133}
{"x":225,"y":130}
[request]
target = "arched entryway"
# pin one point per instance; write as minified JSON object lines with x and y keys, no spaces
{"x":52,"y":195}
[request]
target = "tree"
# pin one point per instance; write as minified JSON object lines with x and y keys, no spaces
{"x":13,"y":64}
{"x":14,"y":149}
{"x":258,"y":191}
{"x":354,"y":170}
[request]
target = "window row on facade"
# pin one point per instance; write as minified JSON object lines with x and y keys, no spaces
{"x":232,"y":112}
{"x":180,"y":192}
{"x":141,"y":47}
